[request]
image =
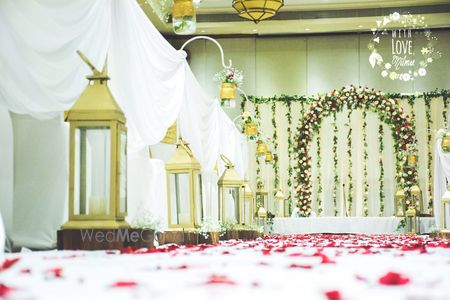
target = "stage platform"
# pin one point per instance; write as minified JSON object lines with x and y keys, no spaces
{"x":345,"y":225}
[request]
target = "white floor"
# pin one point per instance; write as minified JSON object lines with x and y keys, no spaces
{"x":317,"y":267}
{"x":345,"y":225}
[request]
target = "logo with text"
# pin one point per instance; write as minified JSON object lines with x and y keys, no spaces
{"x":402,"y":47}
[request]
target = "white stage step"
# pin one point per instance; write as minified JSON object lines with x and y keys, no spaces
{"x":345,"y":225}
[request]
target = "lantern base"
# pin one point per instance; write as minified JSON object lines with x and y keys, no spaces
{"x":95,"y":224}
{"x":187,"y":237}
{"x":105,"y":239}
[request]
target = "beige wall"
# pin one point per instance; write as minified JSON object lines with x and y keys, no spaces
{"x":308,"y":64}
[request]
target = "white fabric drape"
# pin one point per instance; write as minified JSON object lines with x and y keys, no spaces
{"x":441,"y":180}
{"x":41,"y":75}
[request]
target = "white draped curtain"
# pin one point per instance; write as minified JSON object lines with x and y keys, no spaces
{"x":41,"y":75}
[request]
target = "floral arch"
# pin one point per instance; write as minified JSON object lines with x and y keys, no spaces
{"x":389,"y":111}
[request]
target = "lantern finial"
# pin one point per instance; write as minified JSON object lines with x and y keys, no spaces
{"x":97,"y":74}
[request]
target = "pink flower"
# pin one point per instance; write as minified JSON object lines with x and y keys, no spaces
{"x":124,"y":284}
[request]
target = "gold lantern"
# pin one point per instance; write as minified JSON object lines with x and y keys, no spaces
{"x":229,"y":185}
{"x":416,"y":198}
{"x":445,"y":228}
{"x":445,"y":144}
{"x":279,"y":197}
{"x":268,"y":157}
{"x":257,"y":10}
{"x":251,"y":130}
{"x":261,"y":216}
{"x":228,"y":94}
{"x":247,"y":204}
{"x":261,"y":148}
{"x":412,"y":221}
{"x":183,"y":17}
{"x":411,"y":161}
{"x":261,"y":197}
{"x":400,"y":203}
{"x":184,"y":188}
{"x":98,"y":158}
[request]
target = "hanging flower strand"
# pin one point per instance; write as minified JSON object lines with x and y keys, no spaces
{"x":381,"y":178}
{"x":365,"y":157}
{"x":335,"y":164}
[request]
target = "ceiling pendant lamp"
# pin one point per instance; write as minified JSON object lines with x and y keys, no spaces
{"x":257,"y":10}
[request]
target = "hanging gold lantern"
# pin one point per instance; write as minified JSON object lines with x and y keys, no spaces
{"x":98,"y":158}
{"x":268,"y":157}
{"x":228,"y":94}
{"x":416,"y":198}
{"x":257,"y":10}
{"x":411,"y":161}
{"x":184,"y":188}
{"x":247,"y":204}
{"x":445,"y":144}
{"x":400,"y":203}
{"x":183,"y":17}
{"x":251,"y":130}
{"x":445,"y":228}
{"x":230,"y":197}
{"x":261,"y":148}
{"x":412,"y":221}
{"x":279,"y":196}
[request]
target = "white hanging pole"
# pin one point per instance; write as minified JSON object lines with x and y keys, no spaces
{"x":215,"y":42}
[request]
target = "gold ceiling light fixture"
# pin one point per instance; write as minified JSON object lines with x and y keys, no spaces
{"x":257,"y":10}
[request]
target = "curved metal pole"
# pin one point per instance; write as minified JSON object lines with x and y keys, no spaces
{"x":215,"y":42}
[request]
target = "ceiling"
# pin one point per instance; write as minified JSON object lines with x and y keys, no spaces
{"x":217,"y":17}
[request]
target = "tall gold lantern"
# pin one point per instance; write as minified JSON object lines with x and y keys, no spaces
{"x":184,"y":188}
{"x":445,"y":203}
{"x":229,"y":185}
{"x":98,"y":158}
{"x":280,"y":202}
{"x":262,"y":197}
{"x":247,"y":204}
{"x":411,"y":161}
{"x":416,"y":198}
{"x":261,"y":148}
{"x":412,"y":221}
{"x":400,"y":203}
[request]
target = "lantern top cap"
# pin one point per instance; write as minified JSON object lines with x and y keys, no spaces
{"x":279,"y":195}
{"x":229,"y":176}
{"x":183,"y":158}
{"x":96,"y":103}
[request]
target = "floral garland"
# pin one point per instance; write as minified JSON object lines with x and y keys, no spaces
{"x":381,"y":179}
{"x":350,"y":164}
{"x":275,"y":164}
{"x":430,"y":155}
{"x":388,"y":110}
{"x":335,"y":163}
{"x":319,"y":177}
{"x":259,"y":181}
{"x":243,"y":102}
{"x":445,"y":110}
{"x":365,"y":157}
{"x":290,"y":169}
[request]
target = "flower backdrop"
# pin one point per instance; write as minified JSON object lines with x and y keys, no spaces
{"x":310,"y":174}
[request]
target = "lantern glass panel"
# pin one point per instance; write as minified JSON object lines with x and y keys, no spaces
{"x":231,"y":204}
{"x":246,"y":213}
{"x":123,"y":172}
{"x":199,"y":198}
{"x":445,"y":214}
{"x":92,"y":170}
{"x":180,"y":205}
